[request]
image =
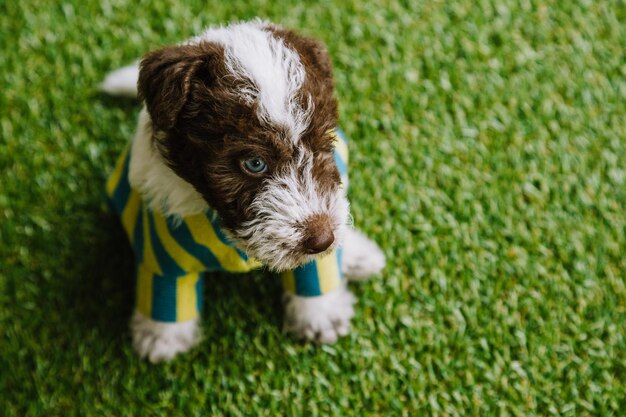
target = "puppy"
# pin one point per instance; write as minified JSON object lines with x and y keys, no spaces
{"x":237,"y":163}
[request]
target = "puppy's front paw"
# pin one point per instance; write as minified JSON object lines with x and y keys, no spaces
{"x":361,"y":256}
{"x":321,"y":319}
{"x":159,"y":341}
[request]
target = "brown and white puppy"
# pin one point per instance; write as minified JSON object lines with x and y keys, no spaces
{"x":247,"y":91}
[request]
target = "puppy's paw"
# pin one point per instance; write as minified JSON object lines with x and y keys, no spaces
{"x":159,"y":341}
{"x":320,"y":319}
{"x":361,"y":256}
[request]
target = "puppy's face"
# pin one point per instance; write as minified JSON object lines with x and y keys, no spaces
{"x":246,"y":114}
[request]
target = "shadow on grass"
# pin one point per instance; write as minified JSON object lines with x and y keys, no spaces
{"x":97,"y":293}
{"x":99,"y":296}
{"x":71,"y":307}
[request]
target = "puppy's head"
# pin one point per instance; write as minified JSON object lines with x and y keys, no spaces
{"x":246,"y":115}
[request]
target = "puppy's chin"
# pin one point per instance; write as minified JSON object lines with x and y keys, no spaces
{"x":275,"y":235}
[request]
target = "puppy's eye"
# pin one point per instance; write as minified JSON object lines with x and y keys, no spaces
{"x":254,"y":166}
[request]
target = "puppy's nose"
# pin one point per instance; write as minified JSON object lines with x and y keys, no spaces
{"x":320,"y":235}
{"x":319,"y":242}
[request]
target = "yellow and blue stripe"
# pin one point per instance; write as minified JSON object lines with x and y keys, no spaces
{"x":317,"y":277}
{"x":172,"y":255}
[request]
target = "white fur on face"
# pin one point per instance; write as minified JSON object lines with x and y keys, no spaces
{"x":275,"y":234}
{"x":273,"y":73}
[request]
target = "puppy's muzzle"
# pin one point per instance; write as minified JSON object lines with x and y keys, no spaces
{"x":319,"y":234}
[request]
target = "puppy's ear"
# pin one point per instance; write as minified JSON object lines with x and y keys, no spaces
{"x":165,"y":78}
{"x":316,"y":53}
{"x":312,"y":52}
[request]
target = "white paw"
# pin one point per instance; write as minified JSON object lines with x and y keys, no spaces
{"x":159,"y":341}
{"x":321,"y":319}
{"x":361,"y":256}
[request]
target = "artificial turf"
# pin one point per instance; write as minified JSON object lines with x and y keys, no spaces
{"x":488,"y":159}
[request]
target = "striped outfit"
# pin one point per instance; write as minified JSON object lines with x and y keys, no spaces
{"x":171,"y":255}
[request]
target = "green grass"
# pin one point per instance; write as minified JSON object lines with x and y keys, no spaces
{"x":488,"y":160}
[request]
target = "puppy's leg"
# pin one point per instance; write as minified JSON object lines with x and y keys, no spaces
{"x":361,"y":256}
{"x":161,"y":341}
{"x":318,"y":306}
{"x":166,"y":319}
{"x":322,"y":318}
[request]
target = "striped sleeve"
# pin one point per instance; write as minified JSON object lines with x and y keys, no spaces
{"x":169,"y":299}
{"x":315,"y":278}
